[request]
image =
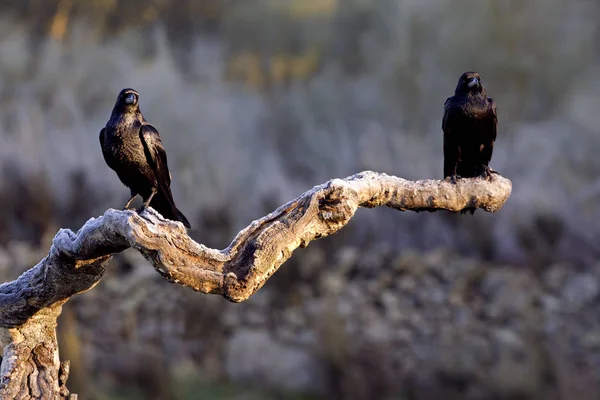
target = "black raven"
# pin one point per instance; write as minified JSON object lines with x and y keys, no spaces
{"x":132,"y":148}
{"x":470,"y":125}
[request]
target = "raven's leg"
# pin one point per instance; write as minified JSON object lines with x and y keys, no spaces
{"x":149,"y":199}
{"x":486,"y":150}
{"x":452,"y":178}
{"x":493,"y":172}
{"x":133,"y":195}
{"x":487,"y":173}
{"x":452,"y":155}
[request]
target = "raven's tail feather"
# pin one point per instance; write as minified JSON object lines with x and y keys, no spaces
{"x":167,"y":209}
{"x":182,"y":218}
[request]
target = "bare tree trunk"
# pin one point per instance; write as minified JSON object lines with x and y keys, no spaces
{"x":30,"y":364}
{"x":30,"y":305}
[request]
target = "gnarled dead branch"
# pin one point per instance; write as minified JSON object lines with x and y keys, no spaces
{"x":77,"y":261}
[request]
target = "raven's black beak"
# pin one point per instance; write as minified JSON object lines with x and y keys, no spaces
{"x":473,"y":82}
{"x":130,"y":98}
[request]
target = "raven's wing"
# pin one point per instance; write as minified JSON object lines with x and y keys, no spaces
{"x":492,"y":133}
{"x":105,"y":153}
{"x":102,"y":137}
{"x":157,"y":159}
{"x":450,"y":143}
{"x":494,"y":120}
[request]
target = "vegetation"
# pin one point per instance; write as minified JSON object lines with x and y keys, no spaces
{"x":252,"y":96}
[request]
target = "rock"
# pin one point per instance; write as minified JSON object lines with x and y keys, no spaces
{"x":517,"y":371}
{"x":346,"y":258}
{"x":231,"y":315}
{"x":394,"y":316}
{"x":312,"y":263}
{"x":550,"y":304}
{"x":433,"y":293}
{"x":407,"y":284}
{"x":344,"y":307}
{"x":255,"y":317}
{"x":555,"y":277}
{"x":373,"y":260}
{"x":403,"y":336}
{"x":307,"y":338}
{"x":510,"y":294}
{"x":378,"y":331}
{"x":388,"y":299}
{"x":580,"y":290}
{"x":261,"y":299}
{"x":432,"y":322}
{"x":371,"y":288}
{"x":462,"y":316}
{"x":285,"y":334}
{"x":332,"y":283}
{"x":592,"y":340}
{"x":255,"y":356}
{"x":294,"y":317}
{"x":386,"y":279}
{"x":509,"y":338}
{"x":314,"y":308}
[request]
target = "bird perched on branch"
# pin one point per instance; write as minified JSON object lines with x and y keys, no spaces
{"x":470,"y":126}
{"x":133,"y":149}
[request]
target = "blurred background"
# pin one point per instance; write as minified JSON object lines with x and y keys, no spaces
{"x":257,"y":101}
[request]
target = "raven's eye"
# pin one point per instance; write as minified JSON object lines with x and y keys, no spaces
{"x":130,"y":98}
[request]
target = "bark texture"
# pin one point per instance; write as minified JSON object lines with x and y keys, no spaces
{"x":31,"y":368}
{"x":30,"y":305}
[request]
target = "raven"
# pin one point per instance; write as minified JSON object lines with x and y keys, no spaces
{"x":132,"y":148}
{"x":470,"y":125}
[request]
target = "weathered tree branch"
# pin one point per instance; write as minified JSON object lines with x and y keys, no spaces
{"x":76,"y":262}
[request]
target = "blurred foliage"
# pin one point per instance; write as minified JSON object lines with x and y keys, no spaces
{"x":290,"y":93}
{"x":108,"y":18}
{"x":259,"y":100}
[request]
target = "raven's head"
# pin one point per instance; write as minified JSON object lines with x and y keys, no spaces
{"x":127,"y":102}
{"x":469,"y":82}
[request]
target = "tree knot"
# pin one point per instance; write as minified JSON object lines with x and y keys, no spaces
{"x":335,"y":205}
